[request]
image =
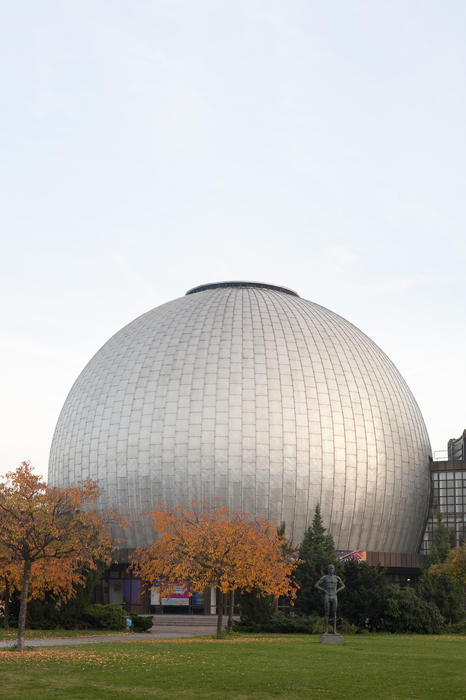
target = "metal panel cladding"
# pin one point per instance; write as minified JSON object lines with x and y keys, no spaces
{"x":247,"y":394}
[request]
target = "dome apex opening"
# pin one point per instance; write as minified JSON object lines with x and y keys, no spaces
{"x":241,"y":283}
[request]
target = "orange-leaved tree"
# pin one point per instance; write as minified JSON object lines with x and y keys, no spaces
{"x":214,"y":547}
{"x":454,"y":566}
{"x":49,"y":536}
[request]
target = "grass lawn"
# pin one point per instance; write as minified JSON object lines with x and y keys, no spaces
{"x":243,"y":667}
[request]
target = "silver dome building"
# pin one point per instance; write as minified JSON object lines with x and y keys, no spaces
{"x":246,"y":393}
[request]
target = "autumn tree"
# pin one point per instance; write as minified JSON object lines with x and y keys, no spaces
{"x":49,"y":536}
{"x":213,"y":547}
{"x":454,"y":566}
{"x":434,"y":585}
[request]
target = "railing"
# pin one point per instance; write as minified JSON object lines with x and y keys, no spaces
{"x":440,"y":456}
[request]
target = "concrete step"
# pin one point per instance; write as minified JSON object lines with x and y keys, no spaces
{"x":188,"y":620}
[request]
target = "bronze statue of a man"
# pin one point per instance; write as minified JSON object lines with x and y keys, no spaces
{"x":330,"y":584}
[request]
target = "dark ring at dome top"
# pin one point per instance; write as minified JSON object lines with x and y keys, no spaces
{"x":261,"y":285}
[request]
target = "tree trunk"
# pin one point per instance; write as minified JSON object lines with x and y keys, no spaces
{"x":220,"y":598}
{"x":23,"y":605}
{"x":6,"y":611}
{"x":231,"y":608}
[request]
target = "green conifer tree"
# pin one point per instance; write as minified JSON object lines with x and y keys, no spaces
{"x":366,"y":591}
{"x":316,"y":552}
{"x":440,"y":541}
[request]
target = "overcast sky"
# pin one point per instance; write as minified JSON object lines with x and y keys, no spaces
{"x":150,"y":146}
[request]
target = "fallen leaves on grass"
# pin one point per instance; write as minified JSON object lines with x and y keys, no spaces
{"x":104,"y":657}
{"x":79,"y":656}
{"x":213,"y":640}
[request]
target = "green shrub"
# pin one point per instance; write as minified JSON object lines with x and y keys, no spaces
{"x":104,"y":617}
{"x":362,"y":603}
{"x":246,"y":626}
{"x":348,"y":627}
{"x":283,"y":624}
{"x":456,"y":627}
{"x":407,"y":612}
{"x":141,"y":624}
{"x":50,"y":612}
{"x":43,"y":614}
{"x":256,"y":609}
{"x":445,"y":593}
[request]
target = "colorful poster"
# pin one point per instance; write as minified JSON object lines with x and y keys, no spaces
{"x":345,"y":554}
{"x":179,"y":595}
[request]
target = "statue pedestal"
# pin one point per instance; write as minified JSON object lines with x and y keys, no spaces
{"x":331,"y":639}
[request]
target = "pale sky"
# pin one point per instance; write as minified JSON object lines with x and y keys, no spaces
{"x":147,"y":146}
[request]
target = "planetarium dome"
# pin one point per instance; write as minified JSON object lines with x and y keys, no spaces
{"x":247,"y":394}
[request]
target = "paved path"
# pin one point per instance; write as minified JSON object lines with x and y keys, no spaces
{"x":172,"y":632}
